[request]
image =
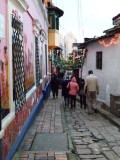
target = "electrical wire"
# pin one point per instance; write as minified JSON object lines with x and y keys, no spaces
{"x":80,"y":17}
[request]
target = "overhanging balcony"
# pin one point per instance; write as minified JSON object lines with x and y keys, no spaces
{"x":54,"y":39}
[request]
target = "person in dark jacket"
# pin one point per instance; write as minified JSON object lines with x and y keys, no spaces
{"x":55,"y":85}
{"x":65,"y":91}
{"x":82,"y":94}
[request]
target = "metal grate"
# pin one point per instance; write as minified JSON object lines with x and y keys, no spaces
{"x":18,"y":63}
{"x":37,"y":61}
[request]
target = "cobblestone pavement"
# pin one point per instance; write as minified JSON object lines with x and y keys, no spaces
{"x":93,"y":136}
{"x":48,"y":121}
{"x":89,"y":137}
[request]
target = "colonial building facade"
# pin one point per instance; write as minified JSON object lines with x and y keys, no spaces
{"x":103,"y":55}
{"x":24,"y":69}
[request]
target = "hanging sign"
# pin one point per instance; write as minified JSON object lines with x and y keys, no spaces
{"x":2,"y":26}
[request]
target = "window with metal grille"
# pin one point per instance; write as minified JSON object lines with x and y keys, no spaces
{"x":18,"y":64}
{"x":99,"y":60}
{"x":37,"y":63}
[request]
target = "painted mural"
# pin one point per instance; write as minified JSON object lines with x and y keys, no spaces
{"x":16,"y":121}
{"x":4,"y":87}
{"x":4,"y":82}
{"x":29,"y":68}
{"x":13,"y":130}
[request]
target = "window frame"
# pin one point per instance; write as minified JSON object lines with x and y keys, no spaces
{"x":99,"y":60}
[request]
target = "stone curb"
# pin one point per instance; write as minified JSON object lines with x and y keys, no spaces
{"x":113,"y":119}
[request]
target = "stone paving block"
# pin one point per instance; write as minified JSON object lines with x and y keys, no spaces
{"x":118,"y":142}
{"x":105,"y":149}
{"x":102,"y":144}
{"x":113,"y":144}
{"x":41,"y":154}
{"x":81,"y":129}
{"x":43,"y":158}
{"x":60,"y":153}
{"x":93,"y":145}
{"x":84,"y":151}
{"x":24,"y":156}
{"x":90,"y":156}
{"x":60,"y":157}
{"x":116,"y":149}
{"x":101,"y":159}
{"x":95,"y":151}
{"x":88,"y":140}
{"x":98,"y":135}
{"x":80,"y":143}
{"x":111,"y":155}
{"x":77,"y":141}
{"x":51,"y":154}
{"x":50,"y":158}
{"x":84,"y":134}
{"x":81,"y":146}
{"x":95,"y":148}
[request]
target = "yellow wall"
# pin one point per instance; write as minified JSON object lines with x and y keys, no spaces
{"x":54,"y":38}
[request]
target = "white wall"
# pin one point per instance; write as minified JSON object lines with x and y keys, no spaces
{"x":69,"y":39}
{"x":109,"y":76}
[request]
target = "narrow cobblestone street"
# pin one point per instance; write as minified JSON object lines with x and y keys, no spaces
{"x":59,"y":133}
{"x":93,"y":136}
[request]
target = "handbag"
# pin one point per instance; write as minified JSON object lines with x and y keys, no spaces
{"x":68,"y":89}
{"x":81,"y":92}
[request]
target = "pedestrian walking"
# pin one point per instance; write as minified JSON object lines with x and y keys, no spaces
{"x":82,"y":94}
{"x":65,"y":91}
{"x":73,"y":91}
{"x":92,"y":89}
{"x":55,"y":86}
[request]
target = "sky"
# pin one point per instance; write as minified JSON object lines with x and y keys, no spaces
{"x":87,"y":18}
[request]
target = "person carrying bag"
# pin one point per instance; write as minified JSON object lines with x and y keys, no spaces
{"x":74,"y":88}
